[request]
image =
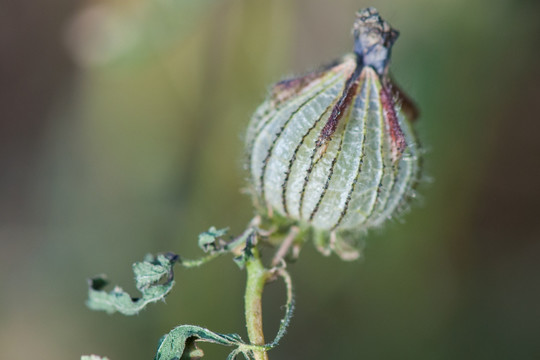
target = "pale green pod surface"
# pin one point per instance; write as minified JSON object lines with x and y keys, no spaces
{"x":334,"y":150}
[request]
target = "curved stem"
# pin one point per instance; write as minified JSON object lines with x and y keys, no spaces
{"x":285,"y":245}
{"x":257,"y":276}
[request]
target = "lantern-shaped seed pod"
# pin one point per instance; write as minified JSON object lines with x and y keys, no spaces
{"x":334,"y":150}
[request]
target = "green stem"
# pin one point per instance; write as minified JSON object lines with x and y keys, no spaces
{"x":199,"y":262}
{"x":257,"y":276}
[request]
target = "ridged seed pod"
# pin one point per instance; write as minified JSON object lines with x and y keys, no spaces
{"x":334,"y":150}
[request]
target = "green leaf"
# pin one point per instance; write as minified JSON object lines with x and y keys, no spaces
{"x":209,"y":240}
{"x":180,"y":342}
{"x":151,"y":270}
{"x":148,"y":275}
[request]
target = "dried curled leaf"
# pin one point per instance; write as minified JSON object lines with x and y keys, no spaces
{"x":209,"y":241}
{"x":180,"y":342}
{"x":148,"y":277}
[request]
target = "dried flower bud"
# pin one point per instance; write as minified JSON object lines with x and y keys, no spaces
{"x":334,"y":150}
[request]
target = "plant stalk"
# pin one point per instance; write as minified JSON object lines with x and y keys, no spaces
{"x":257,"y":276}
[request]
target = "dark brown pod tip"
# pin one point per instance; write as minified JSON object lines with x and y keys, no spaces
{"x":373,"y":39}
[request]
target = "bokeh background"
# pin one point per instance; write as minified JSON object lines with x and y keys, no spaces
{"x":121,"y":126}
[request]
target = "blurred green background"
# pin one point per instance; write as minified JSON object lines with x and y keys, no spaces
{"x":121,"y":126}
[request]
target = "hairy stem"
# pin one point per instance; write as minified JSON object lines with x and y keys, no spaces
{"x":285,"y":245}
{"x":257,"y":276}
